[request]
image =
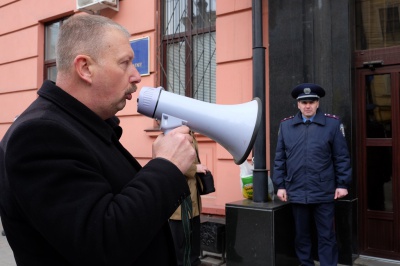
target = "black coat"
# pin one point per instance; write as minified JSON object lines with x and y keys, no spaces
{"x":72,"y":195}
{"x":311,"y":161}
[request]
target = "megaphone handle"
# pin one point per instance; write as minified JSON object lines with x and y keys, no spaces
{"x":169,"y":122}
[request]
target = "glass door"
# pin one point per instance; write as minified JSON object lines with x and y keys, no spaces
{"x":378,"y":164}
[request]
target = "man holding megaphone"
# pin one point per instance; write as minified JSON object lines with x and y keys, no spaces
{"x":71,"y":194}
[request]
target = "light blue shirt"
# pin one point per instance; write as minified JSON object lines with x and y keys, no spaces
{"x":305,"y":119}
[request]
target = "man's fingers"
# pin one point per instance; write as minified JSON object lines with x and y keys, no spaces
{"x":181,"y":129}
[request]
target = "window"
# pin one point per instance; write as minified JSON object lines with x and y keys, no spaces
{"x":51,"y":34}
{"x":187,"y":50}
{"x":390,"y":24}
{"x":377,"y":24}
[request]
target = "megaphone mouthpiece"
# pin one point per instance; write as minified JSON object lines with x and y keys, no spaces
{"x":147,"y":100}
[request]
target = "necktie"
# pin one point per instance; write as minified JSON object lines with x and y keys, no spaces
{"x":308,"y":122}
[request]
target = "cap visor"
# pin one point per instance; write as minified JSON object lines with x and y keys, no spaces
{"x":308,"y":97}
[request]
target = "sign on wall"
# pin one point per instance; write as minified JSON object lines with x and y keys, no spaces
{"x":142,"y":57}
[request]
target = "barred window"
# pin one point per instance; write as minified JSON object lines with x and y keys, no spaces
{"x":187,"y":50}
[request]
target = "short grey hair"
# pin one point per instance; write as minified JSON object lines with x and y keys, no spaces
{"x":83,"y":34}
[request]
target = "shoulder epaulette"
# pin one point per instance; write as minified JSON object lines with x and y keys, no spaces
{"x":332,"y":116}
{"x":287,"y":118}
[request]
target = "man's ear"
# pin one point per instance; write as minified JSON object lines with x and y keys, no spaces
{"x":82,"y":65}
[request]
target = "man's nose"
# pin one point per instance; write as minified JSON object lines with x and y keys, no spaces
{"x":135,"y":77}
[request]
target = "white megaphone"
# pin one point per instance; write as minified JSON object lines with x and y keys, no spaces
{"x":235,"y":127}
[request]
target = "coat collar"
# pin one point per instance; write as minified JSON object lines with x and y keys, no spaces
{"x":78,"y":110}
{"x":319,"y":118}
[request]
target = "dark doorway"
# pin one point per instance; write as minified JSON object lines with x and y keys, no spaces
{"x":378,"y":160}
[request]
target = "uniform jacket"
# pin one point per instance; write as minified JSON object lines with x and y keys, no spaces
{"x":311,"y":161}
{"x":71,"y":194}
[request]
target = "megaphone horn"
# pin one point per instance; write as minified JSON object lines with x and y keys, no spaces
{"x":235,"y":127}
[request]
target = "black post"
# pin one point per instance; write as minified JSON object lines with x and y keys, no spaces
{"x":260,"y":174}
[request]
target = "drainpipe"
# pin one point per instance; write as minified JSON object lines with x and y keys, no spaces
{"x":260,"y":173}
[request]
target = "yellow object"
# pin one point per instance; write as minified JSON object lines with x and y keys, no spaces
{"x":247,"y":186}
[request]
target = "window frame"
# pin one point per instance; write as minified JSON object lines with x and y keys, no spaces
{"x":186,"y":37}
{"x":49,"y":63}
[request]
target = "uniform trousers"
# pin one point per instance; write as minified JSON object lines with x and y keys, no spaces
{"x":323,"y":214}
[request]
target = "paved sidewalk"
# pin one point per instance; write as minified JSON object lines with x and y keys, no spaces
{"x":6,"y":254}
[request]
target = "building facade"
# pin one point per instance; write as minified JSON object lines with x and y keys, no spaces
{"x":203,"y":49}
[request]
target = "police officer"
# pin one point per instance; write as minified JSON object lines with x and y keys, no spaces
{"x":311,"y":170}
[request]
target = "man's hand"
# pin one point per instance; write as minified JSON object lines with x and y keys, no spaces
{"x":281,"y":193}
{"x":176,"y":147}
{"x":340,"y":193}
{"x":201,"y":168}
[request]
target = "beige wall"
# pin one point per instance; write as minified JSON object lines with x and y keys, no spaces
{"x":21,"y":73}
